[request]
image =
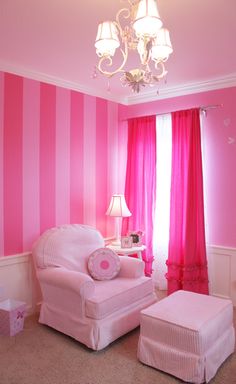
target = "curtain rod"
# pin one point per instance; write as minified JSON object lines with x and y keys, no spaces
{"x":203,"y":108}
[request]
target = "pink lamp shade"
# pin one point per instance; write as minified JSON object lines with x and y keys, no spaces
{"x":118,"y":207}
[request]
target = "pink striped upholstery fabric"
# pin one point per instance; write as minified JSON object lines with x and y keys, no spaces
{"x":91,"y":311}
{"x":188,"y":335}
{"x":117,"y":295}
{"x":67,"y":246}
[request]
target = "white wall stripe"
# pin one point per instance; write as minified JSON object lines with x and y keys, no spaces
{"x":31,"y":204}
{"x":90,"y":160}
{"x":62,"y":156}
{"x":1,"y":164}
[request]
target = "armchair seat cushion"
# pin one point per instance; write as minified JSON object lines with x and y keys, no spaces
{"x":115,"y":295}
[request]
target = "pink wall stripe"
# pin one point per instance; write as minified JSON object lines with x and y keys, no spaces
{"x":122,"y":154}
{"x":89,"y":180}
{"x":47,"y":155}
{"x":101,"y":164}
{"x":62,"y":156}
{"x":31,"y":208}
{"x":76,"y":157}
{"x":112,"y":160}
{"x":13,"y":164}
{"x":1,"y":163}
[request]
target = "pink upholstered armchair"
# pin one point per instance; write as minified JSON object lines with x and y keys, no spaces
{"x":91,"y":311}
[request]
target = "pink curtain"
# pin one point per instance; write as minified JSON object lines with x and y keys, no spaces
{"x":140,"y":182}
{"x":187,"y":264}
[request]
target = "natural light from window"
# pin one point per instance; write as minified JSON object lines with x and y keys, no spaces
{"x":162,"y":211}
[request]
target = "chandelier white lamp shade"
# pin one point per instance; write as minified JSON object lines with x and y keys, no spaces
{"x":107,"y":39}
{"x":162,"y":47}
{"x":147,"y":19}
{"x":144,"y":34}
{"x":118,"y":209}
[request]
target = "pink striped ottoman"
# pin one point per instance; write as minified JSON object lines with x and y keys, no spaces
{"x":187,"y":335}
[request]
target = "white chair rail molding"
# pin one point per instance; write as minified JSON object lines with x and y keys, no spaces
{"x":17,"y":277}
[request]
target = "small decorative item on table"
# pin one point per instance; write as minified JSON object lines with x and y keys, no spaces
{"x":136,"y":237}
{"x":126,"y":242}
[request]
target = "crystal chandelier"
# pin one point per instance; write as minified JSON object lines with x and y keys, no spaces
{"x":143,"y":34}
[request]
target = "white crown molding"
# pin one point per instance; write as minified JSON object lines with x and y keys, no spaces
{"x":182,"y":90}
{"x":49,"y":79}
{"x":144,"y":97}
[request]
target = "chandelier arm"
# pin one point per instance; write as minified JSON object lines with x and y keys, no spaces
{"x":159,"y":66}
{"x":108,"y":62}
{"x":118,"y":15}
{"x":124,"y":35}
{"x":132,"y":2}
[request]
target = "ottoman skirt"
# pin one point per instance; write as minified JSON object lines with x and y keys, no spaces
{"x":187,"y":335}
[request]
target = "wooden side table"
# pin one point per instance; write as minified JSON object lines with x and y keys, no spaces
{"x":127,"y":251}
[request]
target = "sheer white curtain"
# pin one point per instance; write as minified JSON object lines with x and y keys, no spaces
{"x":162,"y":210}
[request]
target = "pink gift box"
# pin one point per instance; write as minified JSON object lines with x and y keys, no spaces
{"x":12,"y":314}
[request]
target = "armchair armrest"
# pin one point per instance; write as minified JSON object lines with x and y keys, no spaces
{"x":131,"y":267}
{"x":63,"y":278}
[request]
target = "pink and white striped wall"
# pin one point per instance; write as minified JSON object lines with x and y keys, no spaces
{"x":62,"y":156}
{"x":58,"y":160}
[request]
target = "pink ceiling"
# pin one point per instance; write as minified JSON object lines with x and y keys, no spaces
{"x":55,"y":38}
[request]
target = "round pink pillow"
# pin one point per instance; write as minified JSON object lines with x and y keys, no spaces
{"x":103,"y":264}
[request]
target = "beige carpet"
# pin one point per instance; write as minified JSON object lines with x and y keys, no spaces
{"x":40,"y":355}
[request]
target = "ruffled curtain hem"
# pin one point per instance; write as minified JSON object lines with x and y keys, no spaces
{"x":188,"y":277}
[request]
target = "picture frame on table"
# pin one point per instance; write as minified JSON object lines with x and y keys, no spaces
{"x":126,"y":242}
{"x":136,"y":237}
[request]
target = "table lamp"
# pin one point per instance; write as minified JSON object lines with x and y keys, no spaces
{"x":118,"y":209}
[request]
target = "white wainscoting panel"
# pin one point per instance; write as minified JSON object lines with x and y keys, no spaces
{"x":222,"y":271}
{"x":18,"y":280}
